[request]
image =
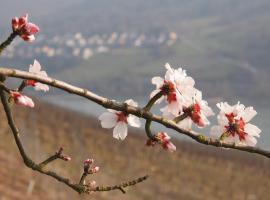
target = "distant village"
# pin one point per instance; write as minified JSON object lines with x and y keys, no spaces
{"x":85,"y":47}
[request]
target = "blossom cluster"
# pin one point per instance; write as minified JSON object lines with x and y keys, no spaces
{"x":182,"y":98}
{"x":184,"y":104}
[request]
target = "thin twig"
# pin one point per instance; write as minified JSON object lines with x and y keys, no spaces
{"x":57,"y":155}
{"x":22,"y":86}
{"x":139,"y":112}
{"x":153,"y":101}
{"x":120,"y":186}
{"x":180,"y":118}
{"x":8,"y":41}
{"x":80,"y":188}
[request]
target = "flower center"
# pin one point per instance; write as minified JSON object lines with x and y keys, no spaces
{"x":236,"y":126}
{"x":168,"y":89}
{"x":31,"y":83}
{"x":194,"y":112}
{"x":122,"y":117}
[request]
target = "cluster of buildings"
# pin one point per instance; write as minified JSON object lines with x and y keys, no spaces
{"x":85,"y":47}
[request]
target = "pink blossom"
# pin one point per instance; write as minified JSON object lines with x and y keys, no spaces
{"x":21,"y":99}
{"x":164,"y":139}
{"x":94,"y":170}
{"x":88,"y":161}
{"x":24,"y":29}
{"x":119,"y":120}
{"x":36,"y":69}
{"x":233,"y":124}
{"x":66,"y":158}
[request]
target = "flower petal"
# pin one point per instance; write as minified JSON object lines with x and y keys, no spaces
{"x":108,"y":120}
{"x":248,"y":114}
{"x":134,"y":121}
{"x":217,"y":131}
{"x":158,"y":81}
{"x":35,"y":68}
{"x":185,"y":123}
{"x":131,"y":102}
{"x":252,"y":130}
{"x":120,"y":131}
{"x":25,"y":101}
{"x":41,"y":86}
{"x":250,"y":141}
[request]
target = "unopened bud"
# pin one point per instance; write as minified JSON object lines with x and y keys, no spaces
{"x":87,"y":164}
{"x":88,"y":161}
{"x":94,"y":170}
{"x":66,"y":158}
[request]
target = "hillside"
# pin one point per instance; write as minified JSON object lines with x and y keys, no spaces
{"x":194,"y":172}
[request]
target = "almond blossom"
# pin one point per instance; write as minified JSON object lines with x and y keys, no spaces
{"x":197,"y":113}
{"x":36,"y":69}
{"x":176,"y":87}
{"x":21,"y":99}
{"x":163,"y":139}
{"x":234,"y":126}
{"x":119,"y":120}
{"x":24,"y":29}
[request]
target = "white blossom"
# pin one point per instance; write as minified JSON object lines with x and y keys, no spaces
{"x":233,"y":124}
{"x":119,"y":120}
{"x":36,"y":69}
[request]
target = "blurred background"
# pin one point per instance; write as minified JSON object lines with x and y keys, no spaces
{"x":114,"y":48}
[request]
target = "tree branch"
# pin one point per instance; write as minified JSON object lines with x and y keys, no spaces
{"x":80,"y":188}
{"x":139,"y":112}
{"x":57,"y":155}
{"x":120,"y":186}
{"x":8,"y":41}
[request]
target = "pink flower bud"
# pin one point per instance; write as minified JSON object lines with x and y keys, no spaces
{"x":22,"y":99}
{"x":169,"y":146}
{"x":87,"y":164}
{"x":94,"y":170}
{"x":66,"y":158}
{"x":164,"y":140}
{"x":88,"y":161}
{"x":24,"y":29}
{"x":15,"y":23}
{"x":163,"y":136}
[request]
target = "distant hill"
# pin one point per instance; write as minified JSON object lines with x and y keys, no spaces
{"x":194,"y":172}
{"x":224,"y":44}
